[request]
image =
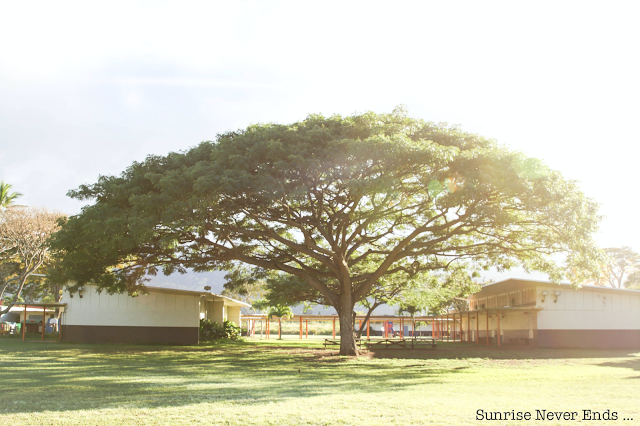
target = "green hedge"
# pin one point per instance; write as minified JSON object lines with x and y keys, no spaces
{"x":210,"y":331}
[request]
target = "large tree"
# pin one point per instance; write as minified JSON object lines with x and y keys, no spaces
{"x":339,"y":202}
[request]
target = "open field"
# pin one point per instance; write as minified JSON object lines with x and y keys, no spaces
{"x":298,"y":383}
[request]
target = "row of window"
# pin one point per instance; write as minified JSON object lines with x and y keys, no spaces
{"x":512,"y":298}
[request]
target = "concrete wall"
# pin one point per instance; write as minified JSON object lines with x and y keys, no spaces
{"x":153,"y":310}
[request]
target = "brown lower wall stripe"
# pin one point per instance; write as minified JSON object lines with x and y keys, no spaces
{"x":589,"y":339}
{"x":130,"y":334}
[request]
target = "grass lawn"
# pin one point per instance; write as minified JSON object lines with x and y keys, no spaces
{"x":298,"y":383}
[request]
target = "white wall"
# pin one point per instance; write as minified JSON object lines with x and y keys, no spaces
{"x":234,"y":315}
{"x":588,"y":310}
{"x":513,"y":320}
{"x":153,"y":310}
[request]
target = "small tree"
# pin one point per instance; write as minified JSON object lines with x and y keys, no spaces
{"x":437,"y":292}
{"x":24,"y":234}
{"x":243,"y":285}
{"x":6,"y":196}
{"x":280,"y":312}
{"x":621,"y":268}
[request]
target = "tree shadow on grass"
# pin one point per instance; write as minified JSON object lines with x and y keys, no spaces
{"x":631,"y":364}
{"x":76,"y":377}
{"x":471,"y":351}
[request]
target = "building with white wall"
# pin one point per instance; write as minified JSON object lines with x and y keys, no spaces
{"x":552,"y":315}
{"x":162,"y":316}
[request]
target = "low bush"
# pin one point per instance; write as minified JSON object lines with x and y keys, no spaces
{"x":214,"y":331}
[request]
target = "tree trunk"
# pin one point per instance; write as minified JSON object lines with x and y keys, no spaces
{"x":347,"y":336}
{"x":365,"y":322}
{"x":348,"y":345}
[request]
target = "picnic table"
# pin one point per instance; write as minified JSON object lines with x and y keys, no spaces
{"x":336,"y":342}
{"x":429,"y":341}
{"x":387,"y":343}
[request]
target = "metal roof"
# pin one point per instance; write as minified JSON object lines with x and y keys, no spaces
{"x":40,"y":305}
{"x":196,"y":293}
{"x":521,"y":281}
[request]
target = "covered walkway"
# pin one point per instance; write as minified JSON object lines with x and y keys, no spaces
{"x":41,"y":325}
{"x":482,"y":326}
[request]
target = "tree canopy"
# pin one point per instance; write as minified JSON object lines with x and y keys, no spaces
{"x":340,"y":203}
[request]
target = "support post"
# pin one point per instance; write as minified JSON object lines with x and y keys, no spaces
{"x":468,"y":327}
{"x":306,"y":328}
{"x":300,"y":328}
{"x":44,"y":314}
{"x":24,"y":328}
{"x":368,"y":328}
{"x":487,"y":327}
{"x":454,"y":327}
{"x":498,"y":317}
{"x":334,"y":328}
{"x":477,"y":327}
{"x":448,"y":329}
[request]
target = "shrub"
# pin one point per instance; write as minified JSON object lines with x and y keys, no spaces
{"x":210,"y":331}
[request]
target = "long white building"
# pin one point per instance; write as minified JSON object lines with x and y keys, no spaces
{"x":527,"y":312}
{"x":163,"y":316}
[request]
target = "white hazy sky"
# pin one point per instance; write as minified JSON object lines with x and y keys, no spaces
{"x":88,"y":88}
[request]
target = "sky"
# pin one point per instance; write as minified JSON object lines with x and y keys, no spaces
{"x":87,"y":88}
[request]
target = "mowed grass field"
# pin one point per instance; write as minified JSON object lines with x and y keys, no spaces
{"x":299,"y":383}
